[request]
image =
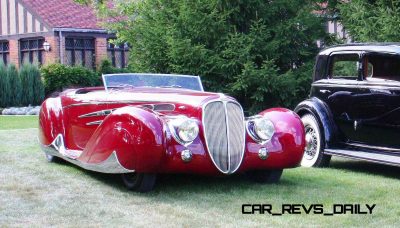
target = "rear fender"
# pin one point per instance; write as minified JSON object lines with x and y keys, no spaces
{"x":136,"y":135}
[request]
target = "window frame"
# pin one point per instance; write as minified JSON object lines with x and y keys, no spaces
{"x":365,"y":72}
{"x":124,"y":50}
{"x":332,"y":55}
{"x":31,"y":51}
{"x":83,"y":50}
{"x":5,"y":53}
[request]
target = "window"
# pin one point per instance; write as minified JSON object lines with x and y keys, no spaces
{"x":382,"y":67}
{"x":344,"y":66}
{"x":80,"y":52}
{"x":32,"y":51}
{"x":4,"y":52}
{"x":118,"y":54}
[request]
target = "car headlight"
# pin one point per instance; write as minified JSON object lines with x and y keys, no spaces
{"x":261,"y":129}
{"x":184,"y":130}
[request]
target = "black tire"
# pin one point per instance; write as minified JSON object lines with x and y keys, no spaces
{"x":315,"y":143}
{"x":265,"y":176}
{"x":139,"y":182}
{"x":53,"y":159}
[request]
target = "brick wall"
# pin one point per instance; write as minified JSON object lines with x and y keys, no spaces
{"x":14,"y":52}
{"x":52,"y":55}
{"x":100,"y":50}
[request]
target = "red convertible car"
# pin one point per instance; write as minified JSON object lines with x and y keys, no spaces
{"x":140,"y":125}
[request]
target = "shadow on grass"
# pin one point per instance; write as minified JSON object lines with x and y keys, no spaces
{"x":366,"y":167}
{"x":175,"y":183}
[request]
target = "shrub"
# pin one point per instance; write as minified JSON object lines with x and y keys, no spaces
{"x":58,"y":77}
{"x":15,"y":86}
{"x":4,"y":86}
{"x":106,"y":67}
{"x":27,"y":81}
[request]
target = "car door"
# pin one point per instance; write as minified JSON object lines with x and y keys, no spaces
{"x":378,"y":121}
{"x":339,"y":90}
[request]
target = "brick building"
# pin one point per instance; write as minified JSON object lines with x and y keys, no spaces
{"x":48,"y":31}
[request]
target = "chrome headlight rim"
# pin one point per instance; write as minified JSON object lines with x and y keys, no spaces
{"x":183,"y":129}
{"x":253,"y":126}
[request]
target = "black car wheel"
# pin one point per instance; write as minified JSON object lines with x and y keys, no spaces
{"x":51,"y":158}
{"x":314,"y":152}
{"x":265,"y":176}
{"x":140,"y":182}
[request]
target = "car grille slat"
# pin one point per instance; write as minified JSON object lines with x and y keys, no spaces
{"x":223,"y":125}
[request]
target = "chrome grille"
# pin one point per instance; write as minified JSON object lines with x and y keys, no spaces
{"x":223,"y":123}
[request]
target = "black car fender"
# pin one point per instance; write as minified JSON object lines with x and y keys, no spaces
{"x":323,"y":114}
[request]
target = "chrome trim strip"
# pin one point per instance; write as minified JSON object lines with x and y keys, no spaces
{"x":98,"y":122}
{"x":98,"y":113}
{"x":380,"y":148}
{"x":111,"y":102}
{"x":110,"y":165}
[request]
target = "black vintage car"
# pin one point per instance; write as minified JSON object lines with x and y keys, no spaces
{"x":354,"y":105}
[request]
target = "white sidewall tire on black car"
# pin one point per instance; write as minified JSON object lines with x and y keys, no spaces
{"x":314,"y":151}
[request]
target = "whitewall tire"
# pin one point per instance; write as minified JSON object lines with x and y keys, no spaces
{"x":314,"y":151}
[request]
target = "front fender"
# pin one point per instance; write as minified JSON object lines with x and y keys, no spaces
{"x":136,"y":135}
{"x":320,"y":110}
{"x":285,"y":148}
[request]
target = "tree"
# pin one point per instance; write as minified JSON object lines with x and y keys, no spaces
{"x":15,"y":86}
{"x":260,"y":52}
{"x":371,"y":20}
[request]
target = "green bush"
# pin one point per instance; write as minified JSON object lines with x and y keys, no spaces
{"x":4,"y":86}
{"x":32,"y":88}
{"x":15,"y":92}
{"x":58,"y":77}
{"x":106,"y":67}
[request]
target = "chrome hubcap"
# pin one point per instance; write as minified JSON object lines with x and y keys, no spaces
{"x":311,"y":143}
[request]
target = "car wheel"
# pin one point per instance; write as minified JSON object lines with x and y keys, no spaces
{"x":140,"y":182}
{"x":265,"y":176}
{"x":314,"y":152}
{"x":51,"y":158}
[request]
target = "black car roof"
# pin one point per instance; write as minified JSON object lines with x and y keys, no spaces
{"x":393,"y":48}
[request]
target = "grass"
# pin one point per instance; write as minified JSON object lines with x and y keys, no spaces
{"x":18,"y":122}
{"x":34,"y":192}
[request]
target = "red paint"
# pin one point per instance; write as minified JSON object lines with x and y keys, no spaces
{"x":141,"y":137}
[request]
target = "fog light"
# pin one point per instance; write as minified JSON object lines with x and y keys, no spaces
{"x":263,"y":153}
{"x":186,"y":155}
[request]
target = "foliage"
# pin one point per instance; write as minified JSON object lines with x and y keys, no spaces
{"x":106,"y":67}
{"x":32,"y":85}
{"x":14,"y":98}
{"x":258,"y":51}
{"x":20,"y":88}
{"x":4,"y":86}
{"x":371,"y":20}
{"x":58,"y":77}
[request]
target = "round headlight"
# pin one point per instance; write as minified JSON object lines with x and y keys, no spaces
{"x":264,"y":128}
{"x":188,"y":130}
{"x":184,"y":129}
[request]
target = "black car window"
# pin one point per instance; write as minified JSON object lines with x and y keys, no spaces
{"x":382,"y":67}
{"x":344,"y":66}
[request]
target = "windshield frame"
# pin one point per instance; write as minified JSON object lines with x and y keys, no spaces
{"x":103,"y":76}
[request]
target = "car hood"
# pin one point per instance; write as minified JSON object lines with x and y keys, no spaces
{"x":145,"y":95}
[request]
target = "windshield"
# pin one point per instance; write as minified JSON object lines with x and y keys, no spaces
{"x":152,"y":80}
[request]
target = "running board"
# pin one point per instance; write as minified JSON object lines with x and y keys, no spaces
{"x":386,"y":159}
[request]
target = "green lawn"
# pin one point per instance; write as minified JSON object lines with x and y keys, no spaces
{"x":18,"y":122}
{"x":34,"y":192}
